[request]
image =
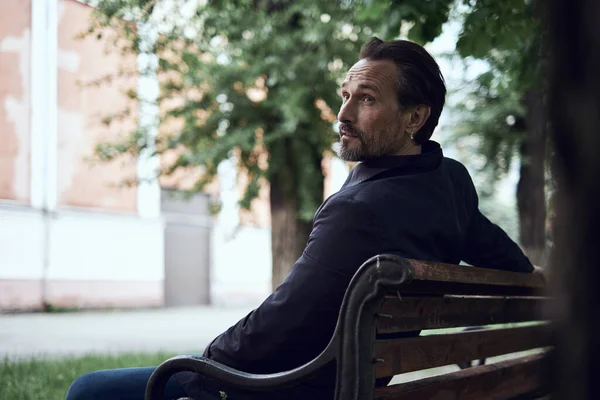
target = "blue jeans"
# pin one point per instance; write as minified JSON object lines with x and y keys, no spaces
{"x":122,"y":384}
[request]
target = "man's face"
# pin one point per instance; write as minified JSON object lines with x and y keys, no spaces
{"x":371,"y":121}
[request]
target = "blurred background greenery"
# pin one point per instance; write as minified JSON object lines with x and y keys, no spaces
{"x":257,"y":80}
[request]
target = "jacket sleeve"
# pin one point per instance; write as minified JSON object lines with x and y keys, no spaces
{"x":486,"y":244}
{"x":295,"y":323}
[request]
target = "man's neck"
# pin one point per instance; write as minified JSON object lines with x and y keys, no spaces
{"x":409,"y":150}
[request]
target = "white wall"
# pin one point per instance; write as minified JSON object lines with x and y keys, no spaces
{"x":21,"y":243}
{"x":241,"y":266}
{"x":82,"y":246}
{"x":89,"y":246}
{"x":79,"y":258}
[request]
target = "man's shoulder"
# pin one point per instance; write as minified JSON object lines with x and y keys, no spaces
{"x":343,"y":202}
{"x":366,"y":201}
{"x":457,"y":172}
{"x":348,"y":197}
{"x":361,"y":195}
{"x":454,"y":165}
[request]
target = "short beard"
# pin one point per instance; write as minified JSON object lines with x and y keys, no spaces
{"x":382,"y":144}
{"x":354,"y":154}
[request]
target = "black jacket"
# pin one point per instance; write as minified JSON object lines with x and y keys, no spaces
{"x":421,"y":206}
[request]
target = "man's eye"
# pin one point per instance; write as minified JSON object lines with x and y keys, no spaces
{"x":368,"y":99}
{"x":345,"y":96}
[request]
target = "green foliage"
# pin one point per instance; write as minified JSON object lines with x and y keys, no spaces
{"x":422,"y":19}
{"x":249,"y":77}
{"x":506,"y":34}
{"x":491,"y":113}
{"x":242,"y":77}
{"x":246,"y":77}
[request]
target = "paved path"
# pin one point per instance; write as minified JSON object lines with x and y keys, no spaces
{"x":179,"y":330}
{"x":56,"y":334}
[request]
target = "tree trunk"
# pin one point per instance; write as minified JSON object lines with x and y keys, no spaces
{"x":289,"y":233}
{"x":531,"y":193}
{"x":575,"y":267}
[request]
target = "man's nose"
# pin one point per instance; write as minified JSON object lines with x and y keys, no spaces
{"x":346,"y":114}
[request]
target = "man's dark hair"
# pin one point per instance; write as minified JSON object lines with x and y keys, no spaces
{"x":419,"y":78}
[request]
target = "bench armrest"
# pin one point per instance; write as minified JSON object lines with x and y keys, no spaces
{"x":212,"y":369}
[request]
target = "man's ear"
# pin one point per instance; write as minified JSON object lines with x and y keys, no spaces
{"x":418,"y":116}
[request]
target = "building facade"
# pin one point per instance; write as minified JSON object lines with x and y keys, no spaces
{"x":70,"y":234}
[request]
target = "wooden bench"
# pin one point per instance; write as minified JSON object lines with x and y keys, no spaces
{"x":389,"y":295}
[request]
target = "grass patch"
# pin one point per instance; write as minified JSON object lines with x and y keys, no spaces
{"x":50,"y":379}
{"x":51,"y":308}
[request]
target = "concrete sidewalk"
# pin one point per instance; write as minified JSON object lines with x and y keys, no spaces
{"x":180,"y":330}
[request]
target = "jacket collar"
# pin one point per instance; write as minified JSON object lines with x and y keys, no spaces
{"x":430,"y":157}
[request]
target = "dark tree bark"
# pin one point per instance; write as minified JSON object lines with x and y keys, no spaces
{"x":289,"y":233}
{"x":531,"y":191}
{"x":575,"y":268}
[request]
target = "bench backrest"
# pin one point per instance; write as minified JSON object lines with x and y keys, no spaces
{"x":392,"y":296}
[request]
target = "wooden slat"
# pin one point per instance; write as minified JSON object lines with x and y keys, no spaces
{"x":432,"y":277}
{"x":413,"y":354}
{"x":503,"y":380}
{"x":419,"y":313}
{"x":432,"y":271}
{"x":467,"y":289}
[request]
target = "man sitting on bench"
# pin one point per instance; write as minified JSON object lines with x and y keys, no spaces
{"x":403,"y":198}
